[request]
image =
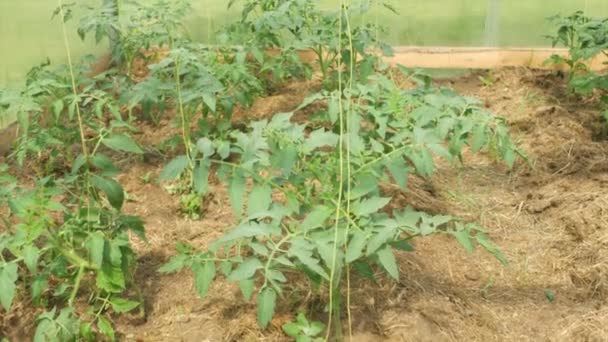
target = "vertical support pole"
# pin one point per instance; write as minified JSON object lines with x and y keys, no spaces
{"x":492,"y":25}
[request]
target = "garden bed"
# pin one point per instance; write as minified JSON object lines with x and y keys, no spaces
{"x":196,"y":192}
{"x":551,"y":222}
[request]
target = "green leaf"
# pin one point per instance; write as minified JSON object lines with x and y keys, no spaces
{"x":200,"y":177}
{"x":9,"y":273}
{"x":423,"y":161}
{"x":105,"y":165}
{"x":316,"y":218}
{"x":112,"y":189}
{"x":399,"y":170}
{"x":223,"y":149}
{"x":508,"y":154}
{"x":369,"y":206}
{"x":441,"y":151}
{"x":86,"y":331}
{"x":402,"y":245}
{"x":78,"y":163}
{"x":30,"y":257}
{"x":333,"y":109}
{"x":39,"y":284}
{"x":314,"y":329}
{"x":292,"y":329}
{"x":105,"y":327}
{"x":247,"y":286}
{"x":480,"y":138}
{"x":266,"y":303}
{"x":211,"y":101}
{"x":550,"y":296}
{"x":364,"y":269}
{"x":366,"y":184}
{"x":259,"y":249}
{"x":464,"y":238}
{"x":236,"y":192}
{"x":246,"y":269}
{"x":60,"y":328}
{"x":176,"y":263}
{"x":205,"y":146}
{"x":283,"y":260}
{"x":111,"y":278}
{"x":226,"y":267}
{"x":285,"y":159}
{"x":250,"y":229}
{"x":320,"y":138}
{"x":120,"y":305}
{"x":329,"y":256}
{"x":58,"y":107}
{"x":276,"y":276}
{"x":175,"y":168}
{"x":306,"y":258}
{"x":355,"y":247}
{"x":259,"y":199}
{"x":482,"y":239}
{"x":95,"y":245}
{"x":387,"y":260}
{"x":204,"y":274}
{"x":122,"y":143}
{"x":45,"y":327}
{"x":135,"y":225}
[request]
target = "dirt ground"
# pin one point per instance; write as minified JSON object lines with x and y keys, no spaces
{"x":550,"y":220}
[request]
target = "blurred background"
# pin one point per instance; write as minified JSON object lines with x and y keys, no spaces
{"x":28,"y":35}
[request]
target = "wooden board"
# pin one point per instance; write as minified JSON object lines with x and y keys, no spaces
{"x":483,"y":58}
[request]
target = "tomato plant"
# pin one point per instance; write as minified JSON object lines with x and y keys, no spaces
{"x":586,"y":38}
{"x":315,"y":205}
{"x":293,"y":231}
{"x":134,"y":27}
{"x":65,"y":238}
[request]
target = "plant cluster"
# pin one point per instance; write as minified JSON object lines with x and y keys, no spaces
{"x":65,"y":244}
{"x":307,"y":196}
{"x":314,"y":205}
{"x":586,"y":38}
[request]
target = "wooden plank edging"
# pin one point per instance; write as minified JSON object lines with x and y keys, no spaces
{"x":483,"y":58}
{"x":473,"y":58}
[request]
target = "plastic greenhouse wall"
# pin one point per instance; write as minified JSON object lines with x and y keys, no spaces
{"x":28,"y":35}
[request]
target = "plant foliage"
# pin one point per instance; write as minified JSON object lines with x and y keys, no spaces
{"x":308,"y":195}
{"x":586,"y":38}
{"x":297,"y":210}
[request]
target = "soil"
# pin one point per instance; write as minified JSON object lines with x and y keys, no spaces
{"x":549,"y":219}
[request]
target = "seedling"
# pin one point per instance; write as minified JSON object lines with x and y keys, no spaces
{"x":304,"y":331}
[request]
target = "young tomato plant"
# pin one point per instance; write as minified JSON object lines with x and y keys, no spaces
{"x":304,"y":331}
{"x":65,"y":242}
{"x":62,"y":239}
{"x":134,"y":27}
{"x":299,"y":25}
{"x":270,"y":32}
{"x":47,"y":113}
{"x":215,"y":81}
{"x":293,"y":218}
{"x":308,"y":201}
{"x":585,"y":37}
{"x":207,"y":86}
